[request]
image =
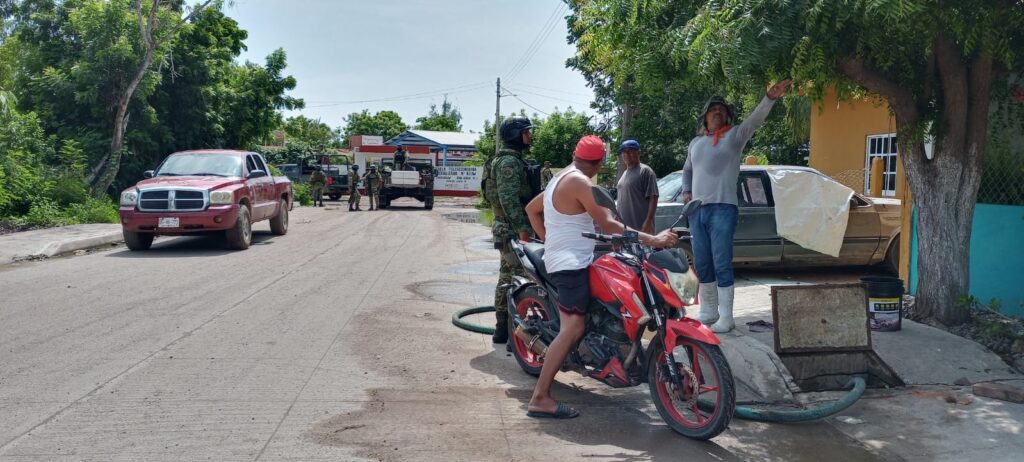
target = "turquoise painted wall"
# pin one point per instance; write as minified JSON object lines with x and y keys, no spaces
{"x":997,"y":256}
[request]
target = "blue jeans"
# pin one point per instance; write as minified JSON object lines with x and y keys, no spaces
{"x":712,"y":229}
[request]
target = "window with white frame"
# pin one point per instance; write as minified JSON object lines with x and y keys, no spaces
{"x":884,"y":147}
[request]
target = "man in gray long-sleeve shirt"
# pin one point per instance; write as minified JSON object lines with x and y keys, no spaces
{"x":710,"y":175}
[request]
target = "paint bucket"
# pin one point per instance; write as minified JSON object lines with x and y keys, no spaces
{"x":885,"y":302}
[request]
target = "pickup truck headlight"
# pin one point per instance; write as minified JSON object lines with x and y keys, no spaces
{"x":222,"y":197}
{"x":129,"y":198}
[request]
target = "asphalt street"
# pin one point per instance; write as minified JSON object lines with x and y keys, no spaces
{"x":333,"y":342}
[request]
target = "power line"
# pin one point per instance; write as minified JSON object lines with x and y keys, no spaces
{"x":527,"y":104}
{"x":551,"y":89}
{"x":538,"y":40}
{"x":549,"y":97}
{"x":411,"y":96}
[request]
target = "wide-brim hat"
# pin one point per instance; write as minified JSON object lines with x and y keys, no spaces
{"x":713,"y":101}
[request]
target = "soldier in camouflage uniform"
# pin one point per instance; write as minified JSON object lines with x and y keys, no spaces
{"x":508,"y":191}
{"x":317,"y":183}
{"x":546,"y":174}
{"x":372,"y":181}
{"x":353,"y":189}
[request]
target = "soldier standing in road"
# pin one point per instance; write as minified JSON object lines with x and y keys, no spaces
{"x":545,"y":175}
{"x":353,"y":189}
{"x":372,"y":182}
{"x":317,"y":183}
{"x":508,"y":191}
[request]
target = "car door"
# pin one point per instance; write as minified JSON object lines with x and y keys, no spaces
{"x":756,"y":239}
{"x":257,"y":186}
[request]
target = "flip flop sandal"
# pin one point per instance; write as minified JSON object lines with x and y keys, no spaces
{"x":562,"y":412}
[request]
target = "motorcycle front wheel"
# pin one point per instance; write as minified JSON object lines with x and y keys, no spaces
{"x":703,"y":405}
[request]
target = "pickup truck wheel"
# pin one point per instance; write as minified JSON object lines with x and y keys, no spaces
{"x":137,"y":241}
{"x":279,"y":224}
{"x":240,"y":236}
{"x":334,"y":197}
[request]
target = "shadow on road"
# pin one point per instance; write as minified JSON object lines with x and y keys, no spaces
{"x":623,"y":418}
{"x":203,"y":245}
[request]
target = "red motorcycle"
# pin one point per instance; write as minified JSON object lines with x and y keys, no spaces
{"x":632,"y":289}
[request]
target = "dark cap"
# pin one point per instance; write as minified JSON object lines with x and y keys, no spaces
{"x":629,"y":144}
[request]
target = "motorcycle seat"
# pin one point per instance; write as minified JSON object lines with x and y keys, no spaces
{"x":535,"y":253}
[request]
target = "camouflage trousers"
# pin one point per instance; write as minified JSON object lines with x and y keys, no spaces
{"x":373,"y":194}
{"x":510,"y":266}
{"x":353,"y":198}
{"x":317,"y":191}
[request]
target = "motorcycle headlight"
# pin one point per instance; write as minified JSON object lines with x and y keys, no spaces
{"x":684,"y":285}
{"x":222,"y":197}
{"x":130,"y":198}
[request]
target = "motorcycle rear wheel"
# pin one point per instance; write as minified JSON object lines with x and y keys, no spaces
{"x":701,"y":363}
{"x":530,"y":304}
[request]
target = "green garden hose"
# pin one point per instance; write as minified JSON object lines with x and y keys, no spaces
{"x":857,"y":385}
{"x":457,"y":319}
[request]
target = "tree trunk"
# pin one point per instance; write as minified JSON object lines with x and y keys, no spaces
{"x":102,"y":176}
{"x":627,"y":120}
{"x":945,"y":190}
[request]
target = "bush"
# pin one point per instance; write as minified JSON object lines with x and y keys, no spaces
{"x":45,"y":213}
{"x":302,"y":195}
{"x":93,"y":211}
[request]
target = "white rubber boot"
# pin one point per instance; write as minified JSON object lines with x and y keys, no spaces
{"x":708,"y":303}
{"x":725,"y":322}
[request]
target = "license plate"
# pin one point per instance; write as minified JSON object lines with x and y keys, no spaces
{"x":168,"y":222}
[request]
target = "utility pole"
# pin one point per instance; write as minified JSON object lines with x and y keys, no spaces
{"x":497,"y":116}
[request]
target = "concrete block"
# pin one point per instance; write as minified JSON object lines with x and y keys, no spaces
{"x":1000,"y":391}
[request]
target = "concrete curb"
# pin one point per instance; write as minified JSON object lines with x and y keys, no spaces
{"x":70,"y":245}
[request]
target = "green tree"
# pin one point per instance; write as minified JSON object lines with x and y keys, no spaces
{"x":633,"y":54}
{"x":447,"y":120}
{"x":937,"y":63}
{"x":555,"y":136}
{"x":387,"y":124}
{"x":309,"y":131}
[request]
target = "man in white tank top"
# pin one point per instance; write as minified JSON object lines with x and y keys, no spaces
{"x":559,"y":217}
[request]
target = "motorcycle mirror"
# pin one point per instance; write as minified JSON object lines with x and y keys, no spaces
{"x":604,"y":199}
{"x":684,"y":215}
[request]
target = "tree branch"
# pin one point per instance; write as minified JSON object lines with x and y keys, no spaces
{"x":953,"y":73}
{"x":901,"y":100}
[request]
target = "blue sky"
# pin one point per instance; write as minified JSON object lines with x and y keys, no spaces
{"x":348,"y":55}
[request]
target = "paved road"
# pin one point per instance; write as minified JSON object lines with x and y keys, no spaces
{"x":331,"y":343}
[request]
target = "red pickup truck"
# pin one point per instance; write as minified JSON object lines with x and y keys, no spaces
{"x":205,"y":191}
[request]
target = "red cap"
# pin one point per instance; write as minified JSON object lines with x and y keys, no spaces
{"x":590,"y":147}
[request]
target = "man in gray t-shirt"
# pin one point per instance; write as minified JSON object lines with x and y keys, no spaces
{"x":637,"y":190}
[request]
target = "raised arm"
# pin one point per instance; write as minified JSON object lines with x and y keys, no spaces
{"x":746,"y":129}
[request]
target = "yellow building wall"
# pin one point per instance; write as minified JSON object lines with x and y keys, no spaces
{"x":839,"y":131}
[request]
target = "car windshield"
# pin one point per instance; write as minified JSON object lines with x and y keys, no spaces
{"x":669,"y":186}
{"x":201,"y":165}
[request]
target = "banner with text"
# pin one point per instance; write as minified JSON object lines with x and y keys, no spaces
{"x":458,"y":179}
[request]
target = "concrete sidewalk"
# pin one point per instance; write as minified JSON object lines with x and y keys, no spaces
{"x":936,"y":417}
{"x":51,"y":242}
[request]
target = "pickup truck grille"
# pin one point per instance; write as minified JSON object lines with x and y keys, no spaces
{"x":172,"y":200}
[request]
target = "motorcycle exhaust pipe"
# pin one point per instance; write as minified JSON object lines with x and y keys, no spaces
{"x":533,"y":342}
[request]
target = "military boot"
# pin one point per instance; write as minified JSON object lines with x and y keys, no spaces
{"x":500,"y":328}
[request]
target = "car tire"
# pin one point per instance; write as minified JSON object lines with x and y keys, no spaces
{"x":334,"y":197}
{"x":892,"y":256}
{"x":137,"y":241}
{"x":279,"y":224}
{"x":240,"y":236}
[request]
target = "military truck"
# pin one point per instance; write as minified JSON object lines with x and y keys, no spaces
{"x":415,"y":180}
{"x":335,"y":166}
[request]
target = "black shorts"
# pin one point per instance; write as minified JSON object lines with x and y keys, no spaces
{"x":573,"y":288}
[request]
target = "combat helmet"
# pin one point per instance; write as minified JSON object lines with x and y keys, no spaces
{"x":511,"y":131}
